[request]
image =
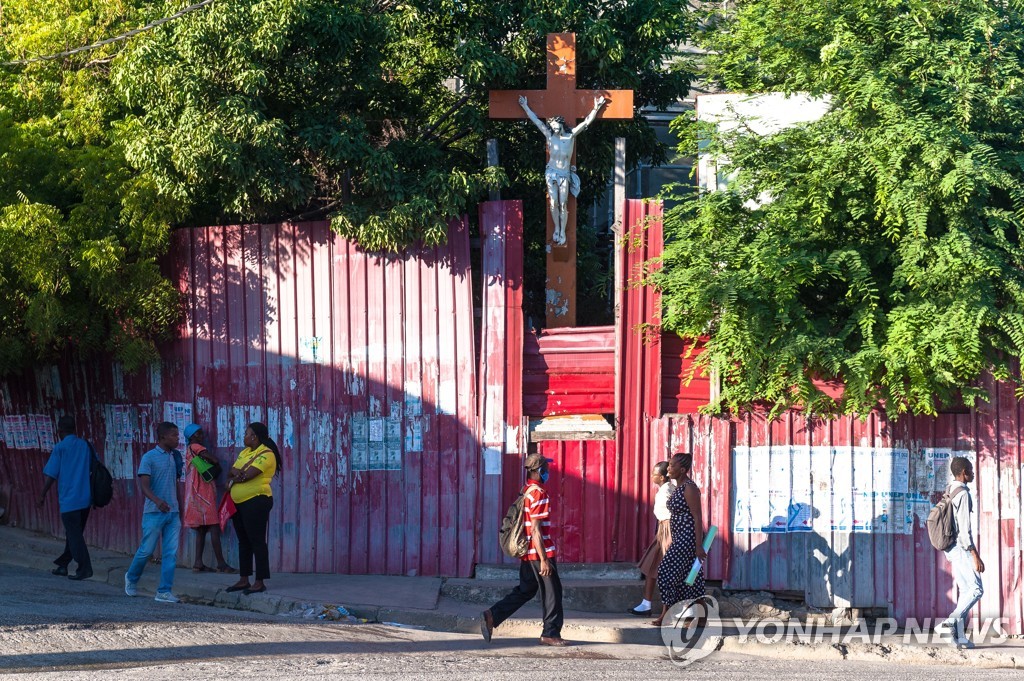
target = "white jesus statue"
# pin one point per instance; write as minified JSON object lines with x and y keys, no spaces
{"x":560,"y":175}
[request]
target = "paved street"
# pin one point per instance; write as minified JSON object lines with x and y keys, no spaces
{"x":93,"y":631}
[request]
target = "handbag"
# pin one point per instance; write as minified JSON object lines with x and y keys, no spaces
{"x":209,"y":472}
{"x":227,"y":504}
{"x":225,"y":510}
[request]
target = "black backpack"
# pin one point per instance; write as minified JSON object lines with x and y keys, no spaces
{"x":101,"y":482}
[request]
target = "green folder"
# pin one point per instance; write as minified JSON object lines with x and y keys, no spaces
{"x":708,"y":538}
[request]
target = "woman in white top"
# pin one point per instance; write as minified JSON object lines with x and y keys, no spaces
{"x":663,"y":537}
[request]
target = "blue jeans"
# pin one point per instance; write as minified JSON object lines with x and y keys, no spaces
{"x":968,"y":583}
{"x":166,"y":526}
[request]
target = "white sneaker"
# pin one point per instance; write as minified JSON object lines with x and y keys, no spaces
{"x":166,"y":597}
{"x":964,"y":644}
{"x":129,"y":586}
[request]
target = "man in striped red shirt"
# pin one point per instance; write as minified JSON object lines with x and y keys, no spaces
{"x":537,"y":570}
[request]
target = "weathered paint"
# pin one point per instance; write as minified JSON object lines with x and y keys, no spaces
{"x":501,"y":365}
{"x":882,"y":568}
{"x":569,"y":371}
{"x":295,"y":326}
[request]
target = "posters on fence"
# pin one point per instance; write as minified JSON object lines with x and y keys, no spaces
{"x":883,"y":490}
{"x":34,"y":431}
{"x":180,"y":414}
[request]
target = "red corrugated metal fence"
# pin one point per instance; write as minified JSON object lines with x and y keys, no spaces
{"x":362,"y":365}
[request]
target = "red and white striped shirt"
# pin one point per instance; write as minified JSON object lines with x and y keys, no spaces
{"x":536,"y":509}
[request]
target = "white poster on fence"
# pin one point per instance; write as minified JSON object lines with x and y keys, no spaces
{"x":801,"y":509}
{"x":180,"y":414}
{"x":780,"y":489}
{"x":877,"y":490}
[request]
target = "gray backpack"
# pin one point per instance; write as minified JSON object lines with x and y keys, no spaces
{"x":941,"y":525}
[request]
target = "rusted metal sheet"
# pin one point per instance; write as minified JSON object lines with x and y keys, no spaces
{"x":362,"y":365}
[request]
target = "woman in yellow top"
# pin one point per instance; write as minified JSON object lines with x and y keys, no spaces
{"x":249,"y":485}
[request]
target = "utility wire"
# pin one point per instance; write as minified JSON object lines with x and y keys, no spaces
{"x":108,"y":41}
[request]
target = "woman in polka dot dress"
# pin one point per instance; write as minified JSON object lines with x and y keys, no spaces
{"x":687,"y":539}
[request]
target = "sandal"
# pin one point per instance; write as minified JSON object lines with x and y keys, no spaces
{"x":203,"y":568}
{"x":225,"y":570}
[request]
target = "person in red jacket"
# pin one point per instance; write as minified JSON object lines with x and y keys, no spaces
{"x":538,"y":570}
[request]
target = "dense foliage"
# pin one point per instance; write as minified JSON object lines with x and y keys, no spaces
{"x":263,"y":110}
{"x":889,"y":255}
{"x":80,"y":230}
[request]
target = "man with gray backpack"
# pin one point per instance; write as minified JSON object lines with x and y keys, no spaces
{"x":526,"y":534}
{"x":949,"y":529}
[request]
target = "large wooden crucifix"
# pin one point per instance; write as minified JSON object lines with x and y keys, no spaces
{"x":561,"y":98}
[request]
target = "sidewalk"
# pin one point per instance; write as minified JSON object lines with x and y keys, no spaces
{"x":408,"y":601}
{"x":420,"y":602}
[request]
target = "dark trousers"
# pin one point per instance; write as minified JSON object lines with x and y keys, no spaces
{"x":74,"y":541}
{"x":530,"y":581}
{"x":250,"y":520}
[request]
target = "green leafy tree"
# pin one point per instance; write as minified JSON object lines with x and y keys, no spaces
{"x":266,"y":110}
{"x":255,"y":110}
{"x":80,"y":231}
{"x":889,"y":254}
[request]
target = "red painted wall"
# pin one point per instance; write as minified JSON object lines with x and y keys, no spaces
{"x":377,"y":426}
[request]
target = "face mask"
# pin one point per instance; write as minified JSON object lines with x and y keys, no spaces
{"x":544,"y":476}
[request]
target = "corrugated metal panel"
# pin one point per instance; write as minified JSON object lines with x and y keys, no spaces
{"x":586,"y":496}
{"x":639,"y":378}
{"x":677,"y":358}
{"x":362,"y":365}
{"x":392,"y":381}
{"x":569,"y":371}
{"x":501,"y":366}
{"x":883,"y":557}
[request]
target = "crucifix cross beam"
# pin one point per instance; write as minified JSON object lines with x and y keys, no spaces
{"x":561,"y":98}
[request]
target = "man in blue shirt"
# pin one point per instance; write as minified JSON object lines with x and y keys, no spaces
{"x":69,"y":466}
{"x":158,"y":479}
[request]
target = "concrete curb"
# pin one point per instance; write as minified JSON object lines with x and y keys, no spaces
{"x":609,"y":597}
{"x":988,"y":658}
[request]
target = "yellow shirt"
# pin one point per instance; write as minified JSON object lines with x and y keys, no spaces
{"x":263,"y":459}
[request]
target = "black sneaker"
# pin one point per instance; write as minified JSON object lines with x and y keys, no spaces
{"x":486,"y":625}
{"x":640,"y":613}
{"x":60,"y":571}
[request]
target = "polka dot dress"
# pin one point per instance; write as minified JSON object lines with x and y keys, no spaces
{"x":680,"y":556}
